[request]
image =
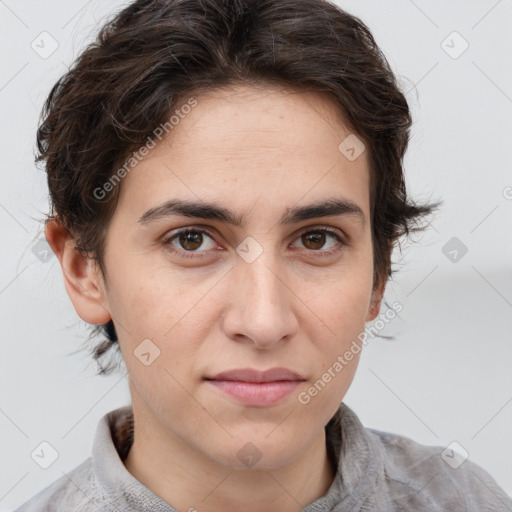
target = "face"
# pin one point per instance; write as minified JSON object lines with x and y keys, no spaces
{"x":264,"y":283}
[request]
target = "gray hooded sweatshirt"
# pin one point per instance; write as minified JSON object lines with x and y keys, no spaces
{"x":375,"y":471}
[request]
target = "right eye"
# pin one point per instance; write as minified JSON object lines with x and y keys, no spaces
{"x":190,"y":240}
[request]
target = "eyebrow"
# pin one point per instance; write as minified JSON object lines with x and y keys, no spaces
{"x":213,"y":211}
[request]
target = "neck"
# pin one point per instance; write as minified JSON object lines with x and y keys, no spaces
{"x":195,"y":482}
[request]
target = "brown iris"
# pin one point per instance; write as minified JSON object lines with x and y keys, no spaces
{"x":317,"y":238}
{"x":191,"y":240}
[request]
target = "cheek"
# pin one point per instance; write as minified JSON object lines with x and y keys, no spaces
{"x":341,"y":307}
{"x":340,"y":301}
{"x":146,"y":298}
{"x":159,"y":308}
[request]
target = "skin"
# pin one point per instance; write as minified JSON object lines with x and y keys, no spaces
{"x":257,"y":151}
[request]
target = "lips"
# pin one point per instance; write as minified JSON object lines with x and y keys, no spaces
{"x":256,"y":388}
{"x":253,"y":375}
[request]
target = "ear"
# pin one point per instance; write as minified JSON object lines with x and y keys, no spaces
{"x":82,"y":277}
{"x":374,"y":308}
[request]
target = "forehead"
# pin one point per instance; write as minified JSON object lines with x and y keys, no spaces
{"x":248,"y":118}
{"x":250,"y":147}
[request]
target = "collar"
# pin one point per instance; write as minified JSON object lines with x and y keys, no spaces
{"x":357,"y":461}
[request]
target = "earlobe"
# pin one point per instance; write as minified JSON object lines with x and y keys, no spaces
{"x":375,"y":303}
{"x":82,"y":277}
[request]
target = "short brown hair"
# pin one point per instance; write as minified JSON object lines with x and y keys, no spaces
{"x":154,"y":53}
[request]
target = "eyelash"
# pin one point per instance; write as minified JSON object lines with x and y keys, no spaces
{"x":201,"y":254}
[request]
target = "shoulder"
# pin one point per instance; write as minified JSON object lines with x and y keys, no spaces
{"x":73,"y":491}
{"x":435,"y":475}
{"x":97,"y":482}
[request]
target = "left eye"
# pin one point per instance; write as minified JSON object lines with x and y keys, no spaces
{"x":317,"y":237}
{"x":190,"y":240}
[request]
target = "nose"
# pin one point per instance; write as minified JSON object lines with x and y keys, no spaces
{"x":261,"y":305}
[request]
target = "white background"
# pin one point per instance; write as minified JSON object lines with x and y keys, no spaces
{"x":446,"y":376}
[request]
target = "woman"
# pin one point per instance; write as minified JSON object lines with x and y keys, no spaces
{"x":227,"y":188}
